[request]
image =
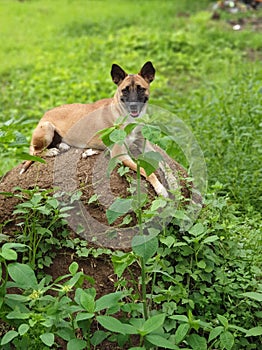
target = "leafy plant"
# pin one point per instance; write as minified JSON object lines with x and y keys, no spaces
{"x":40,"y":318}
{"x":39,"y":217}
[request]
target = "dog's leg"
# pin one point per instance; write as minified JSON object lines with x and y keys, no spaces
{"x":152,"y":179}
{"x":41,"y":139}
{"x":118,"y":151}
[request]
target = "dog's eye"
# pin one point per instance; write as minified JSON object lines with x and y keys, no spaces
{"x":140,"y":88}
{"x":125,"y":91}
{"x":140,"y":91}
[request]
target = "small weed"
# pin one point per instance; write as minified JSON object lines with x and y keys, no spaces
{"x":40,"y":217}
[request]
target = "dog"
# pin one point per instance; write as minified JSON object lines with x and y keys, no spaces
{"x":77,"y":125}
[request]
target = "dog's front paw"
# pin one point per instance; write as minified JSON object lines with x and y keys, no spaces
{"x":63,"y":147}
{"x":89,"y":152}
{"x":52,"y":152}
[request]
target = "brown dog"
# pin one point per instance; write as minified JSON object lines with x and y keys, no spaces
{"x":77,"y":125}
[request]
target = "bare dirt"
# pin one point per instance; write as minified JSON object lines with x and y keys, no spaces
{"x":69,"y":172}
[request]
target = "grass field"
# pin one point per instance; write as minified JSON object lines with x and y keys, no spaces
{"x":208,"y":75}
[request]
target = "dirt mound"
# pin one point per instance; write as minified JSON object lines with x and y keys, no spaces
{"x":69,"y":173}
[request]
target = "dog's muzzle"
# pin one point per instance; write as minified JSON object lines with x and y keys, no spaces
{"x":134,"y":108}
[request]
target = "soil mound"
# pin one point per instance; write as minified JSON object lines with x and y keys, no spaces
{"x":68,"y":174}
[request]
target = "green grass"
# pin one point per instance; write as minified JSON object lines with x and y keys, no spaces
{"x":61,"y":52}
{"x":57,"y":52}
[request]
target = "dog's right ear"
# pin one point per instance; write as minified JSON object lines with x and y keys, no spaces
{"x":117,"y":74}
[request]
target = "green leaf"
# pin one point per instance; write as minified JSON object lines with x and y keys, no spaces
{"x":227,"y":340}
{"x":20,"y":140}
{"x":197,"y":229}
{"x":158,"y":340}
{"x":180,"y":214}
{"x":23,"y":275}
{"x":7,"y":194}
{"x":211,"y":239}
{"x":120,"y":263}
{"x":122,"y":170}
{"x":76,"y":196}
{"x":17,"y":297}
{"x":27,"y":156}
{"x":201,"y":264}
{"x":8,"y":337}
{"x":93,"y":198}
{"x":253,"y":295}
{"x":84,"y":316}
{"x":215,"y":332}
{"x":151,"y":132}
{"x":181,"y":318}
{"x":23,"y":328}
{"x":80,"y":291}
{"x":14,"y":245}
{"x":240,"y":329}
{"x":168,"y":241}
{"x":181,"y":332}
{"x":113,"y":162}
{"x":87,"y":301}
{"x":197,"y":342}
{"x":8,"y":253}
{"x":114,"y":325}
{"x":223,"y":320}
{"x":118,"y":136}
{"x":98,"y":337}
{"x":254,"y":332}
{"x":65,"y":333}
{"x":130,"y":127}
{"x":144,"y":247}
{"x":149,"y":161}
{"x":120,"y":207}
{"x":48,"y":322}
{"x":48,"y":339}
{"x":105,"y":135}
{"x":108,"y":300}
{"x":17,"y":315}
{"x":153,"y":323}
{"x":158,"y":203}
{"x":74,"y":280}
{"x":76,"y":344}
{"x":73,"y":268}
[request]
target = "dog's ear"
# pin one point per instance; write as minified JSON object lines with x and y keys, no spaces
{"x":148,"y":72}
{"x":117,"y":74}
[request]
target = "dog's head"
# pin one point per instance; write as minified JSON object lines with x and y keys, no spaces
{"x":133,"y":89}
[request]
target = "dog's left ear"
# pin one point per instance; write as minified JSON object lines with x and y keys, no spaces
{"x":117,"y":74}
{"x":148,"y":72}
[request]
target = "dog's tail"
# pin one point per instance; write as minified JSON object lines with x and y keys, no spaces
{"x":25,"y":166}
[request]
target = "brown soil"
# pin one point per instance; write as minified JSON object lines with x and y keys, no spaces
{"x":69,"y":173}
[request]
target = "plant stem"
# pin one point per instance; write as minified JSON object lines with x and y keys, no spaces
{"x":143,"y":277}
{"x":139,"y":213}
{"x":142,"y":260}
{"x":153,"y":284}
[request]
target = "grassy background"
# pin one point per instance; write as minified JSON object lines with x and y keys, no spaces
{"x":56,"y":52}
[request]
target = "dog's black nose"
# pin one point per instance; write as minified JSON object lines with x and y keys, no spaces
{"x":133,"y":106}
